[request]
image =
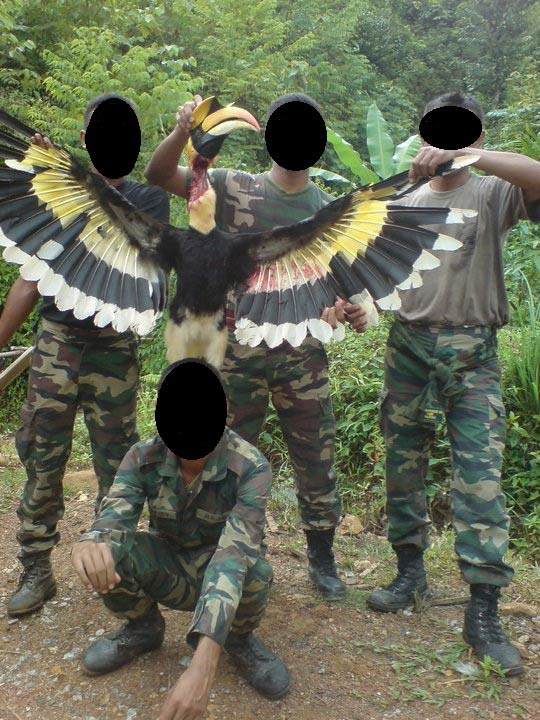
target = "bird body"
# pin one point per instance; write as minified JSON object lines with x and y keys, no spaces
{"x":99,"y":256}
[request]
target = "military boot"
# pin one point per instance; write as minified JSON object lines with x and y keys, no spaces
{"x":321,"y":567}
{"x":261,"y":668}
{"x":36,"y":585}
{"x":118,"y":648}
{"x":482,"y":629}
{"x":410,"y":580}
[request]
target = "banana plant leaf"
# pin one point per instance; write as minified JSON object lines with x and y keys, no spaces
{"x":328,"y":176}
{"x":379,"y":142}
{"x":405,"y":153}
{"x":350,"y":158}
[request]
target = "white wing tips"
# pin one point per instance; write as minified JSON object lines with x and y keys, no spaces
{"x":458,"y":215}
{"x":367,"y":303}
{"x":248,"y":333}
{"x":390,"y":302}
{"x":464,"y":161}
{"x":445,"y":242}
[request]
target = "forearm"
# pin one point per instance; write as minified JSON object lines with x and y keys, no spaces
{"x":206,"y":656}
{"x":119,"y":513}
{"x":517,"y":169}
{"x":19,"y":304}
{"x":164,"y":161}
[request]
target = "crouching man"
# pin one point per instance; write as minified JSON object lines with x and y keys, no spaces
{"x":206,"y":490}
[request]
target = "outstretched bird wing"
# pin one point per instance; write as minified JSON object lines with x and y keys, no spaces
{"x":82,"y":240}
{"x":361,"y":246}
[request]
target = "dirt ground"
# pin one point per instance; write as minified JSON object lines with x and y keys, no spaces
{"x":347,"y":662}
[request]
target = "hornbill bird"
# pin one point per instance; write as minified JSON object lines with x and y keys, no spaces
{"x":99,"y":256}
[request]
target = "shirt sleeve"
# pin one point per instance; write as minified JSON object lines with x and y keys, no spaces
{"x":238,"y":550}
{"x":119,"y":512}
{"x":155,"y":202}
{"x":509,"y":203}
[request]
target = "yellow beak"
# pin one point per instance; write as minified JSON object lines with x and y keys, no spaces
{"x":212,"y":123}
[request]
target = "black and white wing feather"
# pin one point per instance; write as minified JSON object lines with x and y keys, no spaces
{"x":363,"y":246}
{"x":83,"y":242}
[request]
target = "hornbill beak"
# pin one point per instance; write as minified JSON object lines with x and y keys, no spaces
{"x":212,"y":123}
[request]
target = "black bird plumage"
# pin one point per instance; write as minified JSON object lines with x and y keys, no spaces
{"x":100,"y":256}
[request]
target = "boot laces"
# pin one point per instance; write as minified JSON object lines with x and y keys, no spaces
{"x":130,"y":630}
{"x":490,"y":625}
{"x":403,"y":579}
{"x":326,"y":564}
{"x":30,"y":575}
{"x":253,"y":651}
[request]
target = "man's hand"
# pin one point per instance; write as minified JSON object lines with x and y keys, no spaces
{"x":188,"y":698}
{"x":334,"y":315}
{"x":184,"y":114}
{"x":428,"y":160}
{"x":42,"y":141}
{"x":356,"y":316}
{"x":94,"y":564}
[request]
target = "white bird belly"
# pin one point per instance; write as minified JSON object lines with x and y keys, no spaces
{"x":197,"y":336}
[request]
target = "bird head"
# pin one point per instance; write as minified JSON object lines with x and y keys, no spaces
{"x":211,"y":124}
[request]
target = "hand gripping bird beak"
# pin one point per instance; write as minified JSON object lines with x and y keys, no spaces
{"x":212,"y":123}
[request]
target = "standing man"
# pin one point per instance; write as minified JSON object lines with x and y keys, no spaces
{"x":296,"y":378}
{"x":202,"y":552}
{"x":74,"y":363}
{"x":441,"y":362}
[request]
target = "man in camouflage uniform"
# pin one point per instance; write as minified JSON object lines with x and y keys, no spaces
{"x":74,"y":363}
{"x":202,"y":551}
{"x":441,"y":362}
{"x":296,"y":378}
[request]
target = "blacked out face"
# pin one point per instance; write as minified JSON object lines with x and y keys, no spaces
{"x":113,"y":138}
{"x":295,"y":135}
{"x":450,"y":127}
{"x":191,"y":410}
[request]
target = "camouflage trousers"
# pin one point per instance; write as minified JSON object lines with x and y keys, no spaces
{"x":98,"y":370}
{"x":156,"y":571}
{"x":297,"y":379}
{"x":470,"y":399}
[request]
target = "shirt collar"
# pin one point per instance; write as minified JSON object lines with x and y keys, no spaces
{"x":215,"y":468}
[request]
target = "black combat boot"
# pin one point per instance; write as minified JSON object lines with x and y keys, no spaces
{"x":410,"y":580}
{"x":321,"y":567}
{"x":482,"y":629}
{"x":115,"y":649}
{"x":260,"y":667}
{"x":36,"y":585}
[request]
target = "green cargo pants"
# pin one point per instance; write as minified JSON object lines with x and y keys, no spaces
{"x":469,"y":397}
{"x":156,"y":571}
{"x":97,"y":369}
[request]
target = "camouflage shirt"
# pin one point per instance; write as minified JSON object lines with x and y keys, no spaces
{"x":217,"y":520}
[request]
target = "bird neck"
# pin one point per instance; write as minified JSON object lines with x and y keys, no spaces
{"x":202,"y":198}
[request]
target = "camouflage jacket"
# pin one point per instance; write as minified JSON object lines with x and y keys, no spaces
{"x":217,"y":520}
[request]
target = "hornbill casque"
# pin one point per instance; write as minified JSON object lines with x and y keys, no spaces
{"x":99,"y":256}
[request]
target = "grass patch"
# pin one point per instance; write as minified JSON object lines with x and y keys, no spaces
{"x":434,"y":676}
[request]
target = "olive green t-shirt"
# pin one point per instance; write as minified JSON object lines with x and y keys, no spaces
{"x":468,"y":286}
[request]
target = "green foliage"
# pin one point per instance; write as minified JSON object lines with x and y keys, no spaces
{"x":379,"y":142}
{"x":386,"y":159}
{"x":523,"y":363}
{"x":350,"y":158}
{"x":405,"y":153}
